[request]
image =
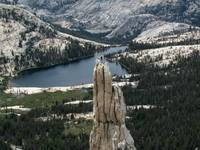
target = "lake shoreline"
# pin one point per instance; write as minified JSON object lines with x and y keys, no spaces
{"x":73,"y":60}
{"x":72,"y":75}
{"x":28,"y":70}
{"x":35,"y":90}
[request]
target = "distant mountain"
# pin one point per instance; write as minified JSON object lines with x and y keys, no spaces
{"x":119,"y":20}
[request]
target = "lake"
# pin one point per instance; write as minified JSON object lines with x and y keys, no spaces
{"x":75,"y":73}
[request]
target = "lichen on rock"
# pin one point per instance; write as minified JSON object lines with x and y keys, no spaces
{"x":109,"y":131}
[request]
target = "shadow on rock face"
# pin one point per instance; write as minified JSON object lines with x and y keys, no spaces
{"x":109,"y":131}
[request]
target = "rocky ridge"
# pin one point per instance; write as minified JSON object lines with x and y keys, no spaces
{"x":109,"y":109}
{"x":118,"y":19}
{"x":163,"y":56}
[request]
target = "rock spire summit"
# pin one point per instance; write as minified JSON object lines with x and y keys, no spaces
{"x":109,"y":131}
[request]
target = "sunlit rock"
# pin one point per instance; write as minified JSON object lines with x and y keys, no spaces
{"x":109,"y":132}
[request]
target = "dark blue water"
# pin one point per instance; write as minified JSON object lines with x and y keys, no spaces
{"x":75,"y":73}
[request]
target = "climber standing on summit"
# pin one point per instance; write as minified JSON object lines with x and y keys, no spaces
{"x":101,"y":59}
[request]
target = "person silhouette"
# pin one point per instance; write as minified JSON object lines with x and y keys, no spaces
{"x":100,"y":59}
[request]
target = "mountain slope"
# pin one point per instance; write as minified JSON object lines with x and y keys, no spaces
{"x":28,"y":42}
{"x":119,"y":19}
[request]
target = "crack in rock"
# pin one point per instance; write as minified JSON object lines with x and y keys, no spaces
{"x":109,"y":131}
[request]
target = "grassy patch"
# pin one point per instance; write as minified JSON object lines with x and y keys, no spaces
{"x":78,"y":127}
{"x":43,"y":99}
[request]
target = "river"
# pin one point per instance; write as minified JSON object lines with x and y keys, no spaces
{"x":75,"y":73}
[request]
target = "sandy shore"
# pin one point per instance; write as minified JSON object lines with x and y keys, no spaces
{"x":18,"y":107}
{"x":78,"y":102}
{"x":141,"y":107}
{"x":34,"y":90}
{"x":87,"y":116}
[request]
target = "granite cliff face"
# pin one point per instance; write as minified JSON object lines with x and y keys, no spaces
{"x":109,"y":132}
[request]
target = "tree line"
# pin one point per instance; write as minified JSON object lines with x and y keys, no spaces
{"x":174,"y":123}
{"x":137,"y":46}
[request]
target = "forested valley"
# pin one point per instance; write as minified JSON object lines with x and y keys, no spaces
{"x":172,"y":122}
